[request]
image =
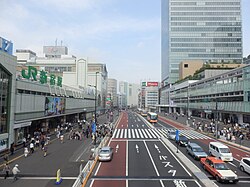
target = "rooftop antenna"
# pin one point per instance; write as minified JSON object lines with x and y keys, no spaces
{"x":61,"y":42}
{"x":56,"y":42}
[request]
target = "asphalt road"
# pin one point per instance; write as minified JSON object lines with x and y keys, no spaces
{"x":203,"y":141}
{"x":140,"y":158}
{"x":40,"y":171}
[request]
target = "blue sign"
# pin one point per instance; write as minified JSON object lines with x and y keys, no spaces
{"x":6,"y":46}
{"x":177,"y":135}
{"x":93,"y":127}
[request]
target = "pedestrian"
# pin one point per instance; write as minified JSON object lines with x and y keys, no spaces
{"x":24,"y":142}
{"x":12,"y":148}
{"x":6,"y":169}
{"x":61,"y":138}
{"x":32,"y":147}
{"x":37,"y":143}
{"x":6,"y":158}
{"x":15,"y":172}
{"x":26,"y":152}
{"x":45,"y":149}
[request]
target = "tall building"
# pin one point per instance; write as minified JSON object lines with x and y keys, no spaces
{"x":208,"y":30}
{"x":149,"y":96}
{"x":123,"y":90}
{"x":112,"y":91}
{"x":133,"y":90}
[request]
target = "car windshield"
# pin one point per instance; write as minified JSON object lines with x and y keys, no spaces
{"x":183,"y":138}
{"x":104,"y":151}
{"x":221,"y":166}
{"x":224,"y":150}
{"x":198,"y":149}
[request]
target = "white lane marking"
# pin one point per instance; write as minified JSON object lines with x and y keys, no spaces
{"x":137,"y":148}
{"x":157,"y":134}
{"x":83,"y":152}
{"x":133,"y":133}
{"x":232,"y":164}
{"x":140,"y":133}
{"x":129,"y":133}
{"x":175,"y":158}
{"x":126,"y":158}
{"x":199,"y":183}
{"x":153,"y":163}
{"x":121,"y":135}
{"x":137,"y":135}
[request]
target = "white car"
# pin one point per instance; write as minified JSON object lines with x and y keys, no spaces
{"x":171,"y":135}
{"x":105,"y":154}
{"x":245,"y":165}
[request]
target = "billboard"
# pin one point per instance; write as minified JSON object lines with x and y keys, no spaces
{"x":54,"y":106}
{"x":153,"y":84}
{"x":6,"y":46}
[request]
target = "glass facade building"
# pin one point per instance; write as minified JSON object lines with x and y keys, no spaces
{"x":208,"y":30}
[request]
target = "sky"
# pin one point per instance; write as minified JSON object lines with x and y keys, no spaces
{"x":123,"y":34}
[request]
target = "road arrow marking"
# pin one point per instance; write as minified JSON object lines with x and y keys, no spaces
{"x":116,"y":148}
{"x":157,"y":148}
{"x":172,"y":171}
{"x":137,"y":148}
{"x":163,"y":157}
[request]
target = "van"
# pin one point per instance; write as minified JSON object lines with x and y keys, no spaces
{"x":220,"y":150}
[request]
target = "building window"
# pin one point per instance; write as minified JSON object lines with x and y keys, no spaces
{"x":185,"y":65}
{"x":4,"y":97}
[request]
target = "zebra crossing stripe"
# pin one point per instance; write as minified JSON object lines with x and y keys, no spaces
{"x":133,"y":133}
{"x":137,"y":135}
{"x":163,"y":133}
{"x":147,"y":132}
{"x":143,"y":132}
{"x":151,"y":131}
{"x":117,"y":133}
{"x":140,"y":133}
{"x":129,"y":133}
{"x":125,"y":133}
{"x":157,"y":133}
{"x":121,"y":135}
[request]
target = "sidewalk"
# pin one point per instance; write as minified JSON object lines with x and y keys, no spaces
{"x":67,"y":157}
{"x":245,"y":144}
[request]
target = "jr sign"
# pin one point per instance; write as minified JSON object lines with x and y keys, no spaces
{"x":32,"y":72}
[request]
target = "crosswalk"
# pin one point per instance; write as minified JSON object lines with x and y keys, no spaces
{"x":154,"y":133}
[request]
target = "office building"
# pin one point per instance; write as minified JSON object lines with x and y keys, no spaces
{"x":199,"y":30}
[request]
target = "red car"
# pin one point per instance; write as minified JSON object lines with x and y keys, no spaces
{"x":218,"y":169}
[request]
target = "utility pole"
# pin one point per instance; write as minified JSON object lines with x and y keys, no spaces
{"x":217,"y":118}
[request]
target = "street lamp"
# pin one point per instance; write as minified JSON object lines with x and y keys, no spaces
{"x":95,"y":86}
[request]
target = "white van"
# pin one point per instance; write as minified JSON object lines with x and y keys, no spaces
{"x":220,"y":150}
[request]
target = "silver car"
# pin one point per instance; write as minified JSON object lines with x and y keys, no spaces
{"x":171,"y":135}
{"x":196,"y":151}
{"x":105,"y":154}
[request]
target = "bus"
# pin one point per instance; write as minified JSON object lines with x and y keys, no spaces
{"x":144,"y":113}
{"x":152,"y":117}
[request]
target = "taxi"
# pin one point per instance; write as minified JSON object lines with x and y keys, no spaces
{"x":218,"y":169}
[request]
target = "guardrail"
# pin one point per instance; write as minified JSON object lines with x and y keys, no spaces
{"x":85,"y":172}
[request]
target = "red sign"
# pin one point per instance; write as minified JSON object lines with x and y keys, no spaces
{"x":155,"y":84}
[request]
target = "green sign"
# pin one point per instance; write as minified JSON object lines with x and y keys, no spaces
{"x":143,"y":83}
{"x":32,"y":72}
